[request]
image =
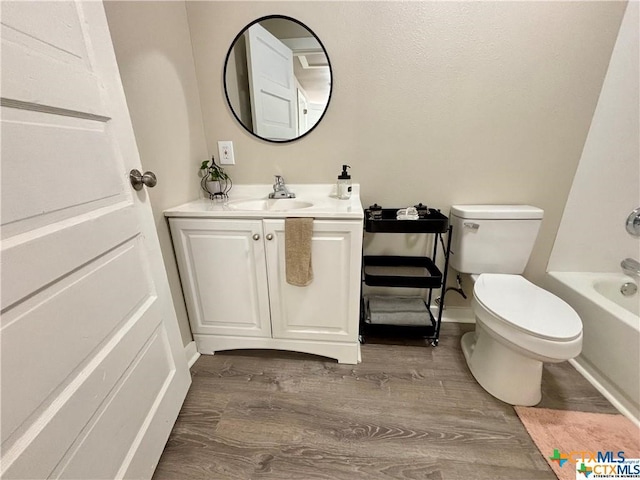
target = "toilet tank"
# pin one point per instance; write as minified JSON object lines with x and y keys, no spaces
{"x":493,"y":238}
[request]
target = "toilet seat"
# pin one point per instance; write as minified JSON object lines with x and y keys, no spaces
{"x":526,"y":307}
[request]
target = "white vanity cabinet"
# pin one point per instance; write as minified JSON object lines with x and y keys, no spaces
{"x":327,"y":309}
{"x":234,"y":280}
{"x":224,"y":277}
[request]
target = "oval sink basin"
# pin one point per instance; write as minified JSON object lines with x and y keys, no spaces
{"x":287,"y":204}
{"x":270,"y":205}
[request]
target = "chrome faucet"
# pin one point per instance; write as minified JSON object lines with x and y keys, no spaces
{"x":630,"y":267}
{"x":280,"y":190}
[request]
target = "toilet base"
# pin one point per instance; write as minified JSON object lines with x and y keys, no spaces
{"x":504,"y":373}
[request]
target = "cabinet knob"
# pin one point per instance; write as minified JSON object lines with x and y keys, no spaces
{"x":269,"y":236}
{"x":256,"y":236}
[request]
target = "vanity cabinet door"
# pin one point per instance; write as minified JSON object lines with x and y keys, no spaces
{"x":328,"y":308}
{"x":224,"y":277}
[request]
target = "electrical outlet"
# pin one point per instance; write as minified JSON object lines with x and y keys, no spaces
{"x":225,"y":153}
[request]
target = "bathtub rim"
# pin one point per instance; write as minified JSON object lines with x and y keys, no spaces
{"x":583,"y":283}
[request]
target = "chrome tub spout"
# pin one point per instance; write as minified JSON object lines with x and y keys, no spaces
{"x":630,"y":267}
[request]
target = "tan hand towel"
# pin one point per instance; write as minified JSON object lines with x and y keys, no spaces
{"x":297,"y":250}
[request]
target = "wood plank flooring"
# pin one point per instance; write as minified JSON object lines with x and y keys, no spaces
{"x":407,"y":411}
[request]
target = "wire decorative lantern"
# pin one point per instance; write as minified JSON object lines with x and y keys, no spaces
{"x":215,"y":181}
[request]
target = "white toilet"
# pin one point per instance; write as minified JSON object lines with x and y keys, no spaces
{"x":518,"y":325}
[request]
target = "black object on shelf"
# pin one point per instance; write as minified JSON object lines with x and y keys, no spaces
{"x":374,"y":212}
{"x":385,"y":221}
{"x":423,"y":210}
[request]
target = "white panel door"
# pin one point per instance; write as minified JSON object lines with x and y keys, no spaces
{"x":302,"y":113}
{"x":272,"y":85}
{"x":327,"y":309}
{"x":224,"y":275}
{"x":314,"y":113}
{"x":93,"y":370}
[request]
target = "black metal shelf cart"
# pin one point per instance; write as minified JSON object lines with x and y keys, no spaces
{"x":404,"y":316}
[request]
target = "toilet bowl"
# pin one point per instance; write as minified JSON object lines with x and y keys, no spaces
{"x":518,"y":327}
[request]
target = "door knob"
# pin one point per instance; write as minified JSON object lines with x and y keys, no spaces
{"x":138,"y":179}
{"x":269,"y":236}
{"x":256,"y":236}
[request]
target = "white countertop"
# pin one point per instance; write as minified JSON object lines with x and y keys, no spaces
{"x":322,"y":196}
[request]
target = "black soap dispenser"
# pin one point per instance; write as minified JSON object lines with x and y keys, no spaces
{"x":344,"y":184}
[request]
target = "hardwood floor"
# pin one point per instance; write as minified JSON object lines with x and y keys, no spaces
{"x":407,"y":411}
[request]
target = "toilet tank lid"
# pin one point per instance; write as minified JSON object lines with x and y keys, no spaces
{"x":500,"y":212}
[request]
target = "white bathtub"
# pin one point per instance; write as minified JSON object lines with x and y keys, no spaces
{"x":610,"y":357}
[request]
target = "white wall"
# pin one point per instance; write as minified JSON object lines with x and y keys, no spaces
{"x":606,"y":188}
{"x":153,"y":49}
{"x":439,"y":102}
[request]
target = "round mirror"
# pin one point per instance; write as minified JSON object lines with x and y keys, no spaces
{"x":277,"y":79}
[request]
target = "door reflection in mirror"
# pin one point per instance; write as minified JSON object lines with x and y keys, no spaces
{"x":277,"y":79}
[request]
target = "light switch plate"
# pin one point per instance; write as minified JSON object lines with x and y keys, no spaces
{"x":225,"y":152}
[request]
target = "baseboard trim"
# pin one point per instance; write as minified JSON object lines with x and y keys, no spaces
{"x":604,"y":391}
{"x":191,"y":353}
{"x":455,"y":314}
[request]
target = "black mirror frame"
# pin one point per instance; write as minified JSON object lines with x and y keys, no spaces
{"x":224,"y":74}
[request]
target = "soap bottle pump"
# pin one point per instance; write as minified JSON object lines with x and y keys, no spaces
{"x":344,"y":184}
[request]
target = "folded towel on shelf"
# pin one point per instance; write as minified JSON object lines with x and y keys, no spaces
{"x":397,"y":310}
{"x":409,"y":213}
{"x":298,"y":233}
